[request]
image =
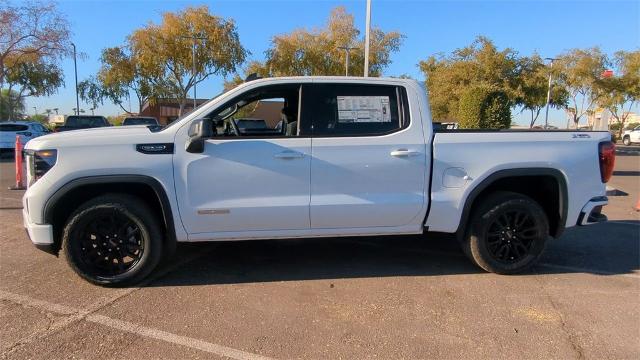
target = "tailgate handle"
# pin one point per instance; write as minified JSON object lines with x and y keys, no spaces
{"x":404,"y":153}
{"x":289,"y":155}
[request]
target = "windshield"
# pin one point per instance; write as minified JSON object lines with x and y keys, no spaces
{"x":176,"y":121}
{"x":85,"y":121}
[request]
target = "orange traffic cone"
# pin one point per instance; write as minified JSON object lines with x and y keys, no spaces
{"x":19,"y":166}
{"x":637,"y":207}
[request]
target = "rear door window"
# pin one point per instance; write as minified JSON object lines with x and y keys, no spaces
{"x":356,"y":110}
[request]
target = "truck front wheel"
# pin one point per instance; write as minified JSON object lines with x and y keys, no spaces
{"x":506,"y":233}
{"x":113,"y":240}
{"x":626,"y":140}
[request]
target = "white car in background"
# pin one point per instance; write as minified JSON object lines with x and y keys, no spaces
{"x":631,"y":136}
{"x":27,"y":130}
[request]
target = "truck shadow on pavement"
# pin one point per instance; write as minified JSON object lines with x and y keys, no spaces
{"x":604,"y":249}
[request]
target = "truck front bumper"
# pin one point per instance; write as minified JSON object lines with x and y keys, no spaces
{"x":41,"y":235}
{"x":592,"y":212}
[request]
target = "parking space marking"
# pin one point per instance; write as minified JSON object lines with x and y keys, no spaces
{"x":587,"y":271}
{"x":129,"y":327}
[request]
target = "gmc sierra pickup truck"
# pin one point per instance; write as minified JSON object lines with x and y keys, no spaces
{"x":342,"y":157}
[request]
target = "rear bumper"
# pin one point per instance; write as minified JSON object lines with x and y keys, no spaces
{"x":592,"y":211}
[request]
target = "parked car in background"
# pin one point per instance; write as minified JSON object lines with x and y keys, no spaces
{"x":27,"y":130}
{"x":140,"y":120}
{"x":631,"y":136}
{"x":76,"y":122}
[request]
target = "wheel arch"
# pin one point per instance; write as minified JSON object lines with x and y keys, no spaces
{"x":548,"y":180}
{"x":67,"y":198}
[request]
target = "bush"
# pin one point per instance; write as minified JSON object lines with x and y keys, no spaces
{"x":481,"y":108}
{"x":631,"y":126}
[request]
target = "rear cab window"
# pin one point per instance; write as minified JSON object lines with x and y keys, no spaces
{"x":356,"y":110}
{"x":13,"y":127}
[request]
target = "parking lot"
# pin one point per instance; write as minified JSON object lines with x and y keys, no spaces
{"x":382,"y":297}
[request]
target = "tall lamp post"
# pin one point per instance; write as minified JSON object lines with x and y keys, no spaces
{"x":347,"y":50}
{"x":193,"y":63}
{"x":546,"y":115}
{"x":75,"y":68}
{"x":367,"y":39}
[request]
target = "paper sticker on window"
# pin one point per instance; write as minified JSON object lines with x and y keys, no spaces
{"x":353,"y":109}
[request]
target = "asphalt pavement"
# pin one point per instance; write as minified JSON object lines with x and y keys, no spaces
{"x":376,"y":297}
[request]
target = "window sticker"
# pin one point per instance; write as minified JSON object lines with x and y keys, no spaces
{"x":356,"y":109}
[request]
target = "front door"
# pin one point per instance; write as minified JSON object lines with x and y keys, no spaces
{"x":369,"y":161}
{"x":249,"y":177}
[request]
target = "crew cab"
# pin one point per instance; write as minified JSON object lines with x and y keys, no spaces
{"x":348,"y":157}
{"x":76,"y":122}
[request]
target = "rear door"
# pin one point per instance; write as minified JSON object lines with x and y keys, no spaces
{"x":369,"y":161}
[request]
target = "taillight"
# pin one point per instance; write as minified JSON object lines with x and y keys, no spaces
{"x":607,"y":155}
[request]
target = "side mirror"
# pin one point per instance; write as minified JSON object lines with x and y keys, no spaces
{"x":199,"y":131}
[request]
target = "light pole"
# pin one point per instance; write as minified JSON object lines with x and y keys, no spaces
{"x":35,"y":110}
{"x":347,"y":50}
{"x":366,"y":39}
{"x":546,"y":115}
{"x":75,"y":68}
{"x":193,"y":63}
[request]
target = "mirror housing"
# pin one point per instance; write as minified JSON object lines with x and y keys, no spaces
{"x":199,"y":131}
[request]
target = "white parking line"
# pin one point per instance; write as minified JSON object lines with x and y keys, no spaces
{"x":132,"y":328}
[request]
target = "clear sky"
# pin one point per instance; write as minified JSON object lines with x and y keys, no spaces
{"x":548,"y":27}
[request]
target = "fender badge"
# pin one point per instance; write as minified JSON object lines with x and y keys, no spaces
{"x":214,"y":211}
{"x":581,"y":136}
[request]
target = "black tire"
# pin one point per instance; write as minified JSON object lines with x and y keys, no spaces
{"x":113,"y":240}
{"x":626,"y":141}
{"x":506,"y":233}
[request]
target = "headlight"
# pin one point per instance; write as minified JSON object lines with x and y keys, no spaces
{"x":38,"y":163}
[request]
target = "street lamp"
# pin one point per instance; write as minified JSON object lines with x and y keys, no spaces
{"x":366,"y":40}
{"x":75,"y":68}
{"x":193,"y":62}
{"x":546,"y":115}
{"x":347,"y":50}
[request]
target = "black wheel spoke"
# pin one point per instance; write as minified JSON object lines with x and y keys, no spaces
{"x":111,"y":244}
{"x":510,"y":236}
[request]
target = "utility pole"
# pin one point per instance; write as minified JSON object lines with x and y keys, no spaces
{"x":546,"y":115}
{"x":75,"y":68}
{"x":367,"y":39}
{"x":347,"y":50}
{"x":193,"y":63}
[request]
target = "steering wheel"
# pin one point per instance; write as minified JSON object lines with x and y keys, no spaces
{"x":234,"y":126}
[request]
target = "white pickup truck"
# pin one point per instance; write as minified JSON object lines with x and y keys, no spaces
{"x":341,"y":157}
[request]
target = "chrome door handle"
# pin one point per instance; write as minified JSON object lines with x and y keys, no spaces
{"x":289,"y":155}
{"x":404,"y":153}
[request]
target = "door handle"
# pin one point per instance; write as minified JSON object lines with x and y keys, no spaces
{"x":404,"y":153}
{"x":285,"y":155}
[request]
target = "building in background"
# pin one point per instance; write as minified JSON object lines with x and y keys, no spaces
{"x":168,"y":110}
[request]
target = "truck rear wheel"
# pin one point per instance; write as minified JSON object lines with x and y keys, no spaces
{"x":507,"y":233}
{"x":113,"y":240}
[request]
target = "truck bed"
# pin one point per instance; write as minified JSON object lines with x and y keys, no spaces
{"x":463,"y":159}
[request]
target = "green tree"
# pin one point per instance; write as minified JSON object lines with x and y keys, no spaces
{"x":317,"y":52}
{"x":29,"y":32}
{"x":91,"y":92}
{"x":163,"y":51}
{"x":483,"y":108}
{"x":11,"y":106}
{"x":579,"y":71}
{"x":479,"y":64}
{"x":623,"y":90}
{"x":531,"y":93}
{"x":32,"y":77}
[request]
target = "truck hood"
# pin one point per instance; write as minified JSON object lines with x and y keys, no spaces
{"x":116,"y":135}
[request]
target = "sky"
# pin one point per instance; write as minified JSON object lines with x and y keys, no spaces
{"x":431,"y":27}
